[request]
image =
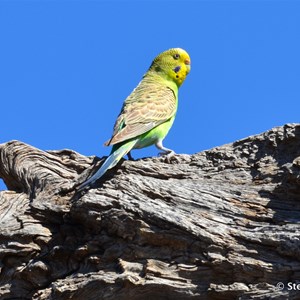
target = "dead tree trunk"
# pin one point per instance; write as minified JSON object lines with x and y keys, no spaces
{"x":220,"y":224}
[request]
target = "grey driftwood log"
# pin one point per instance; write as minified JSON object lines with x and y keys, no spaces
{"x":220,"y":224}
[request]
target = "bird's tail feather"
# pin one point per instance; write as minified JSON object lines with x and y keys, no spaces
{"x":109,"y":163}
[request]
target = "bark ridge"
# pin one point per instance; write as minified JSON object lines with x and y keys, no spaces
{"x":220,"y":224}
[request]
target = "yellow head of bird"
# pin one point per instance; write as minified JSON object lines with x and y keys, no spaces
{"x":175,"y":64}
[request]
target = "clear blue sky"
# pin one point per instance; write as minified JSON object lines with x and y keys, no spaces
{"x":67,"y":66}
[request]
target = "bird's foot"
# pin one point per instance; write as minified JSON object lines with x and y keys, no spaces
{"x":130,"y":156}
{"x":168,"y":156}
{"x":166,"y":153}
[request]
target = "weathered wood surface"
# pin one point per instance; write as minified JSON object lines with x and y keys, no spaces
{"x":220,"y":224}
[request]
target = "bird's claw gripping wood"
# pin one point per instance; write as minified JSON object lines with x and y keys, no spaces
{"x":130,"y":156}
{"x":167,"y":154}
{"x":149,"y":111}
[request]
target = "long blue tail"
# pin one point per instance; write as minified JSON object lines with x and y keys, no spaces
{"x":109,"y":163}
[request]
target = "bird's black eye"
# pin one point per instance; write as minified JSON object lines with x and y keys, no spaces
{"x":176,"y":56}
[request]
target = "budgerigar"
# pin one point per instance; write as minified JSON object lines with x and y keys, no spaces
{"x":149,"y":111}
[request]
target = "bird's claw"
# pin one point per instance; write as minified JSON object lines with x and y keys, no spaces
{"x":130,"y":156}
{"x":166,"y":153}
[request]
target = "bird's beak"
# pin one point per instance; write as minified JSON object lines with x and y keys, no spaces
{"x":187,"y":62}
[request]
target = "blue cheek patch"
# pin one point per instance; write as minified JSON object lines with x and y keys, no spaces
{"x":177,"y":69}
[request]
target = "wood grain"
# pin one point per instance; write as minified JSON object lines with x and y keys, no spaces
{"x":220,"y":224}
